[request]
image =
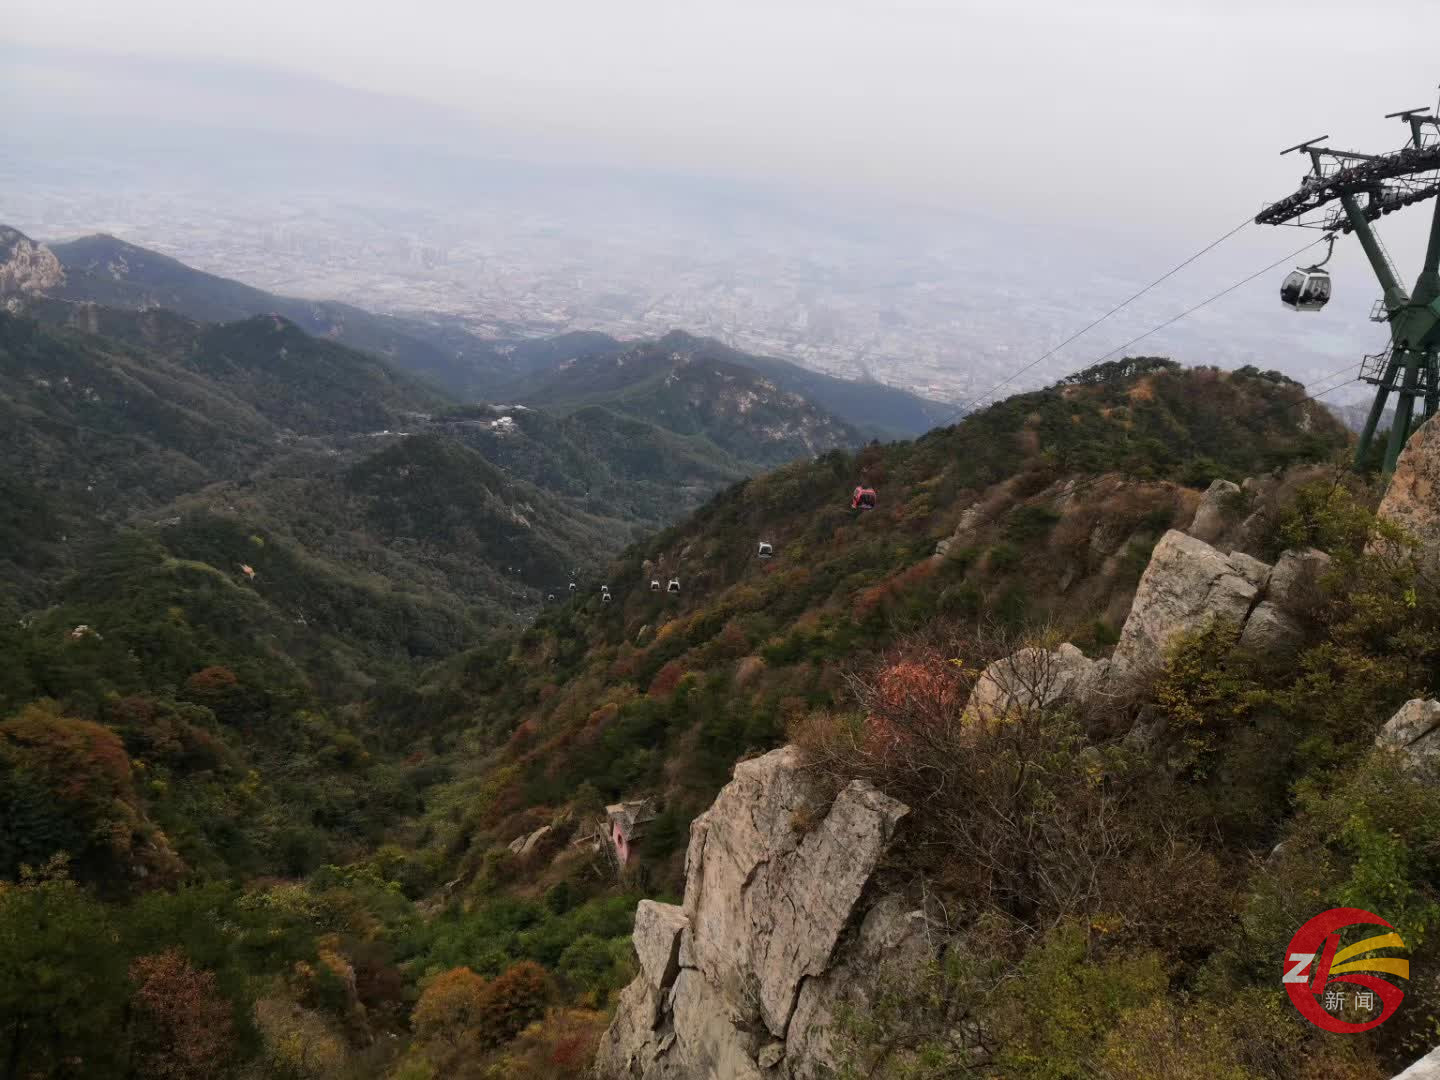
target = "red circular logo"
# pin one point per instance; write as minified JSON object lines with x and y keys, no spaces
{"x":1316,"y":961}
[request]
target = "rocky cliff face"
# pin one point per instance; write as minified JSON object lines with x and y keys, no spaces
{"x":1412,"y":500}
{"x":26,"y":268}
{"x":780,"y":926}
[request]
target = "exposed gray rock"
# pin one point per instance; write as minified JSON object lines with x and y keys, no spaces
{"x":523,"y":845}
{"x":1030,"y":679}
{"x":1251,"y":569}
{"x":1414,"y":731}
{"x":768,"y":903}
{"x":1412,"y":500}
{"x":26,"y":268}
{"x":1295,"y":576}
{"x":1213,"y":514}
{"x":770,"y":1055}
{"x":1427,"y":1068}
{"x":970,"y":517}
{"x":773,"y":879}
{"x":631,"y":1032}
{"x":890,"y":950}
{"x":657,"y":941}
{"x":1271,"y":631}
{"x":713,"y":1035}
{"x":1187,"y":584}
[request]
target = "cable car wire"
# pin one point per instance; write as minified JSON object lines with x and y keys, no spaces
{"x":1223,"y":292}
{"x":974,"y":402}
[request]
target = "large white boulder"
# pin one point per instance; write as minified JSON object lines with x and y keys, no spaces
{"x":1186,"y":586}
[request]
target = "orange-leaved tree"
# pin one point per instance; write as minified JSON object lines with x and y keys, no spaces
{"x":182,"y":1026}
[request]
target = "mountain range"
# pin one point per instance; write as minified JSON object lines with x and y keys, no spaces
{"x":104,"y":270}
{"x":314,"y":764}
{"x":327,"y":450}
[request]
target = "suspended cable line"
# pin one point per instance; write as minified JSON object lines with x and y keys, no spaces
{"x":1210,"y":300}
{"x":974,"y":402}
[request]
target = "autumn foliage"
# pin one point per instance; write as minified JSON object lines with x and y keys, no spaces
{"x":183,"y":1025}
{"x":461,"y":1009}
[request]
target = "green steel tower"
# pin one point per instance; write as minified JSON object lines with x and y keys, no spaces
{"x":1358,"y":189}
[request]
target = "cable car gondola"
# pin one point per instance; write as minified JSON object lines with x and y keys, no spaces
{"x":1307,"y":288}
{"x":674,"y":585}
{"x":654,"y":584}
{"x":766,"y":551}
{"x":863,"y":499}
{"x":573,"y":586}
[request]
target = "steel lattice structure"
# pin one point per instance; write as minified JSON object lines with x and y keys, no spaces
{"x":1366,"y":188}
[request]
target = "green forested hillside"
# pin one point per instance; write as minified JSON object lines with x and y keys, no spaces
{"x":695,"y":394}
{"x":314,"y":846}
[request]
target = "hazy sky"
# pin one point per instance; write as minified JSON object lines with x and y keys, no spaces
{"x":1107,"y":110}
{"x":1045,"y":139}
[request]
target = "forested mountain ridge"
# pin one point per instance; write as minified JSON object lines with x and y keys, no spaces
{"x":679,"y":385}
{"x":582,"y":374}
{"x":104,"y":270}
{"x":109,"y":272}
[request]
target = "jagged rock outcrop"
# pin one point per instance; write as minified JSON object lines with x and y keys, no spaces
{"x":1187,"y":584}
{"x":657,"y":940}
{"x":1414,"y":731}
{"x":1217,"y":507}
{"x":891,"y":946}
{"x":776,"y":929}
{"x":26,"y":268}
{"x":1412,"y":500}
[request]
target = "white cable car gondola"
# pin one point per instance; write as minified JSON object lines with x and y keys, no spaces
{"x":1307,"y":288}
{"x":766,"y":551}
{"x":573,"y":586}
{"x":654,"y":584}
{"x":674,"y":585}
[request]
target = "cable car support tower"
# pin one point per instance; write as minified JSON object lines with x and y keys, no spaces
{"x":1347,"y":192}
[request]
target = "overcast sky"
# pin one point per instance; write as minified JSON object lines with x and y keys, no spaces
{"x":1111,"y":110}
